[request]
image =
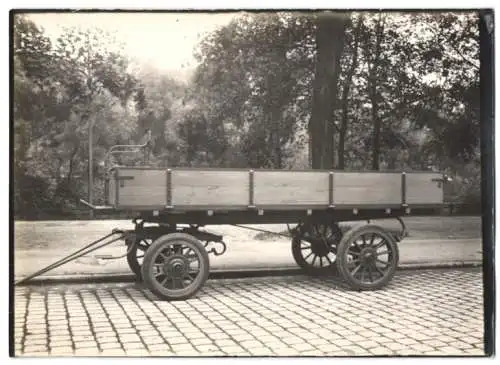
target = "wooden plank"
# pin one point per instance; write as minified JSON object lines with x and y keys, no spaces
{"x":291,"y":188}
{"x":142,"y":188}
{"x":420,"y":189}
{"x":210,"y":187}
{"x":366,"y":188}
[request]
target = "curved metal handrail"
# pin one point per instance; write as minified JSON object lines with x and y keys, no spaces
{"x":123,"y":148}
{"x":118,"y":149}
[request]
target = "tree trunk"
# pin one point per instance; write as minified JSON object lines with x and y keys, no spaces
{"x":372,"y":89}
{"x":345,"y":96}
{"x":330,"y":36}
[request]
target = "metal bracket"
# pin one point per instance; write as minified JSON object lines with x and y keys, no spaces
{"x":214,"y":250}
{"x":404,"y":231}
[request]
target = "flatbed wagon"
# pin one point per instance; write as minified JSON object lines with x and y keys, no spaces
{"x":174,"y":204}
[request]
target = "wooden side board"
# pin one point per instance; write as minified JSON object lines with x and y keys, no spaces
{"x":366,"y":188}
{"x":291,"y":188}
{"x":142,"y":187}
{"x":209,"y":188}
{"x":424,"y":188}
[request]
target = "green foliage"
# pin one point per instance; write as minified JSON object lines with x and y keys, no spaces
{"x":407,"y":97}
{"x":253,"y":74}
{"x":62,"y":90}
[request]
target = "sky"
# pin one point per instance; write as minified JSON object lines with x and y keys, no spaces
{"x":162,"y":40}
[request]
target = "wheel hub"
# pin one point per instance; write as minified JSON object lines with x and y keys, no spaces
{"x":319,"y":247}
{"x":368,"y":255}
{"x":176,"y":267}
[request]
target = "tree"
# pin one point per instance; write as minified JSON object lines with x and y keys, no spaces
{"x":330,"y":36}
{"x":346,"y":89}
{"x":59,"y":90}
{"x":252,"y":73}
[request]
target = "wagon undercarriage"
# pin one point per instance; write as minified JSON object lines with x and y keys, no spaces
{"x":172,"y":259}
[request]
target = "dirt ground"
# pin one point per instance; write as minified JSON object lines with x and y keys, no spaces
{"x":53,"y":234}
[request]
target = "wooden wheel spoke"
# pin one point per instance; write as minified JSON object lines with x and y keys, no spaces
{"x":372,"y":239}
{"x":356,"y":269}
{"x":354,"y":261}
{"x":321,"y":261}
{"x":157,"y":275}
{"x":362,"y":272}
{"x":379,"y":270}
{"x":164,"y":281}
{"x":141,"y":246}
{"x":306,"y":247}
{"x":354,"y":253}
{"x":329,"y":261}
{"x":370,"y":273}
{"x":382,"y":253}
{"x":383,"y":262}
{"x":163,"y":256}
{"x":314,"y":260}
{"x":310,"y":253}
{"x":177,"y":283}
{"x":380,"y":244}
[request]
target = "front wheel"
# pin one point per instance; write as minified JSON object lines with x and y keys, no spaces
{"x":175,"y":266}
{"x":136,"y":248}
{"x":367,"y":257}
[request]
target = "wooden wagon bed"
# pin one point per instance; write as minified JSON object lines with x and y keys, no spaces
{"x":272,"y":195}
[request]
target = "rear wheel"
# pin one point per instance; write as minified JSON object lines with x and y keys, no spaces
{"x":367,"y":257}
{"x":175,"y":266}
{"x":314,"y":248}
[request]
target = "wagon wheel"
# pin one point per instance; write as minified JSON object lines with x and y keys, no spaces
{"x":315,"y":247}
{"x":367,"y":257}
{"x":135,"y":253}
{"x":175,"y":266}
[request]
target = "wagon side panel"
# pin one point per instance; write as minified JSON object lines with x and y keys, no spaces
{"x":424,"y":188}
{"x":141,"y":188}
{"x":366,"y":188}
{"x":210,"y":188}
{"x":298,"y":188}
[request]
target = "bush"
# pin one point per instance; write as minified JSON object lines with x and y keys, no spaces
{"x":463,"y":194}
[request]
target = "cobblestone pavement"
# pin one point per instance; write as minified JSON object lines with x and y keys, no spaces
{"x":431,"y":312}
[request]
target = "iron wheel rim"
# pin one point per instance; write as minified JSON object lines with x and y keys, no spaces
{"x":370,"y":256}
{"x":136,"y":252}
{"x":172,"y":268}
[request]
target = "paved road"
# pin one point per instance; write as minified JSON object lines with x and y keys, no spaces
{"x":429,"y":312}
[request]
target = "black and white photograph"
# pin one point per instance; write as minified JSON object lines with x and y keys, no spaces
{"x":258,"y":183}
